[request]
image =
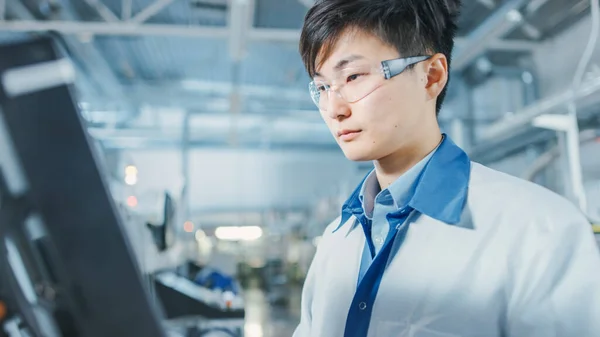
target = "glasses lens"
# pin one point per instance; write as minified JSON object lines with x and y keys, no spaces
{"x":355,"y":84}
{"x":359,"y":84}
{"x":318,"y":93}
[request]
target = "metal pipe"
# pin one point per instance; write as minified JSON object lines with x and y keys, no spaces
{"x":105,"y":13}
{"x":508,"y":45}
{"x":2,"y":10}
{"x":293,"y":36}
{"x":238,"y":26}
{"x":150,"y":11}
{"x":494,"y":28}
{"x":567,"y":129}
{"x":185,"y":165}
{"x":126,"y":9}
{"x":124,"y":29}
{"x":525,"y":76}
{"x":505,"y":128}
{"x":128,"y":28}
{"x":548,"y":157}
{"x":543,"y":161}
{"x":146,"y":144}
{"x":574,"y":162}
{"x":591,"y":45}
{"x":534,"y":5}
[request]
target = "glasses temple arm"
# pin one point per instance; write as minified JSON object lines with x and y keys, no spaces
{"x":394,"y":67}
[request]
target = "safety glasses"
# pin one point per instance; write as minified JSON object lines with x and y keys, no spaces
{"x":355,"y":83}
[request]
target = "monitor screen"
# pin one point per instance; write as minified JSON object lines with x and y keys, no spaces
{"x":67,"y":267}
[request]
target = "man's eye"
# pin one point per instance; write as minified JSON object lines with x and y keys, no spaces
{"x":321,"y":88}
{"x":353,"y":77}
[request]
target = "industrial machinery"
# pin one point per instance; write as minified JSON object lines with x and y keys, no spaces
{"x":67,"y":268}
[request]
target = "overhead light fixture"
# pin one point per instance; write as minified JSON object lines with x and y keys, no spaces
{"x":200,"y":235}
{"x":132,"y":201}
{"x":188,"y":226}
{"x":131,"y":170}
{"x":130,"y":180}
{"x":131,"y":175}
{"x":245,"y":233}
{"x":514,"y":16}
{"x":527,"y":77}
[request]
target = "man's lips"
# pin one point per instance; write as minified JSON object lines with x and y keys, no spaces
{"x":347,"y":135}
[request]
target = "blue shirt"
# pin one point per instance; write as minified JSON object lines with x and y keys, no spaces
{"x":429,"y":193}
{"x":377,"y":203}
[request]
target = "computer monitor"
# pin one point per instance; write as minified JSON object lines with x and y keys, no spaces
{"x":159,"y":231}
{"x":67,"y":268}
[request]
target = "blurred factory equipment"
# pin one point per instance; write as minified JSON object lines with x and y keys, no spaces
{"x":49,"y":278}
{"x":55,"y":284}
{"x":215,"y":147}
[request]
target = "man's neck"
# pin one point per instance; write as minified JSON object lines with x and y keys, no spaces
{"x":390,"y":168}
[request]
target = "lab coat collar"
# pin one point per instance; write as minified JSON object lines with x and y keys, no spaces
{"x":352,"y":206}
{"x":441,"y":190}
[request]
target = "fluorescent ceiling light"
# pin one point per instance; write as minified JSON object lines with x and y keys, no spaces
{"x":247,"y":233}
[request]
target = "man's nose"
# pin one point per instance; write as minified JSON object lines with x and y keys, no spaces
{"x":337,"y":107}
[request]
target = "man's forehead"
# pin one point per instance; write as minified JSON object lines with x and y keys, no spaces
{"x":338,"y":63}
{"x":353,"y":44}
{"x":337,"y":48}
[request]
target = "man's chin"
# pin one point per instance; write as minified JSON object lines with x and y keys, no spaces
{"x":358,"y":154}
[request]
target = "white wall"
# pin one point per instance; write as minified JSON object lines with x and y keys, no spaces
{"x":261,"y":179}
{"x":226,"y":181}
{"x":494,"y":99}
{"x":557,"y":59}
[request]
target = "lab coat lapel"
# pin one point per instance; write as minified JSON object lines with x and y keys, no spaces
{"x":342,"y":267}
{"x":346,"y":254}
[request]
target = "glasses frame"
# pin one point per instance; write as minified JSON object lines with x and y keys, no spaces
{"x":389,"y":69}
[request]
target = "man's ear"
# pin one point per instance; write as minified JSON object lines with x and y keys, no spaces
{"x":436,"y":70}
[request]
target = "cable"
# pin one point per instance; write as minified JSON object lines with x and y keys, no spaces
{"x":574,"y":157}
{"x":587,"y":55}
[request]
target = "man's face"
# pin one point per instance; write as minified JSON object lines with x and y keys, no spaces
{"x":387,"y":120}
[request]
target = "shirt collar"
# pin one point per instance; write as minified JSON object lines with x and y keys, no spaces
{"x":440,"y":191}
{"x":368,"y":191}
{"x":400,"y":190}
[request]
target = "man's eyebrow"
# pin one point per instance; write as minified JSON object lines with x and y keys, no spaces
{"x":343,"y":62}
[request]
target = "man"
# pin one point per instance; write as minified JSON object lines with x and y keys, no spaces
{"x":429,"y":244}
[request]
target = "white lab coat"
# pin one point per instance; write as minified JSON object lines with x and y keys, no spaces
{"x":528,"y":267}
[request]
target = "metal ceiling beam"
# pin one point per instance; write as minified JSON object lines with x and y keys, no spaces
{"x":219,"y":88}
{"x":105,"y":13}
{"x":147,"y":143}
{"x":534,"y":5}
{"x":120,"y":29}
{"x":507,"y":127}
{"x":293,"y":36}
{"x":256,"y":34}
{"x":99,"y":72}
{"x":126,"y":9}
{"x":150,"y":11}
{"x":508,"y":45}
{"x":238,"y":25}
{"x":490,"y":4}
{"x":500,"y":22}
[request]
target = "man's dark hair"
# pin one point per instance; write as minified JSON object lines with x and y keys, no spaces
{"x":413,"y":27}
